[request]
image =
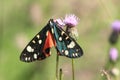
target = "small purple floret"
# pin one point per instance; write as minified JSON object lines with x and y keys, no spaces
{"x":113,"y":54}
{"x":71,"y":20}
{"x":116,"y":25}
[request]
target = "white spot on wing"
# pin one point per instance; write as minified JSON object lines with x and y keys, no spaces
{"x":60,"y":38}
{"x":73,"y":54}
{"x":38,"y":36}
{"x":76,"y":54}
{"x":66,"y":52}
{"x":35,"y":56}
{"x":40,"y":41}
{"x":29,"y":49}
{"x":52,"y":30}
{"x":47,"y":33}
{"x":33,"y":41}
{"x":66,"y":37}
{"x":77,"y":50}
{"x":62,"y":50}
{"x":51,"y":23}
{"x":62,"y":32}
{"x":71,"y":45}
{"x":26,"y":59}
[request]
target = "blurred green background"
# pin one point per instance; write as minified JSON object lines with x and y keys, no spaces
{"x":20,"y":20}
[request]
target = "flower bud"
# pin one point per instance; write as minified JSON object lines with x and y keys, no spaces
{"x":113,"y":54}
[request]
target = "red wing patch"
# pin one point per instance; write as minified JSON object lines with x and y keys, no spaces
{"x":49,"y":42}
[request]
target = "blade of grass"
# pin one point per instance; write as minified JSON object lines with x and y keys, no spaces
{"x":60,"y":74}
{"x":73,"y":74}
{"x":57,"y":65}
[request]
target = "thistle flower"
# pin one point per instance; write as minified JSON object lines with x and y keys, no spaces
{"x":71,"y":20}
{"x":60,"y":22}
{"x":116,"y":25}
{"x":113,"y":54}
{"x":115,"y":33}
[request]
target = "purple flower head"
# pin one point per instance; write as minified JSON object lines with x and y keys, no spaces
{"x":113,"y":54}
{"x":71,"y":20}
{"x":116,"y":25}
{"x":60,"y":22}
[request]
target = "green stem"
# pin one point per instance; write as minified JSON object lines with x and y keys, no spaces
{"x":57,"y":65}
{"x":73,"y":74}
{"x":60,"y":74}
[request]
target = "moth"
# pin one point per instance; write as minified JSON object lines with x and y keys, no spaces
{"x":51,"y":36}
